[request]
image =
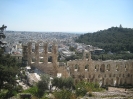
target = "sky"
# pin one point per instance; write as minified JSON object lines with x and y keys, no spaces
{"x":65,"y":15}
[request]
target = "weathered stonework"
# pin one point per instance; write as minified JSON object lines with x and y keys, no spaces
{"x":106,"y":73}
{"x":40,"y":59}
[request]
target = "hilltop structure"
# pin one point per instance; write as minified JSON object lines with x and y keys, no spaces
{"x":43,"y":56}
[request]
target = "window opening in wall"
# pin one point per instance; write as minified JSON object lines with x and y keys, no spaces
{"x":41,"y":48}
{"x":108,"y":67}
{"x":33,"y":59}
{"x":117,"y":67}
{"x":76,"y":67}
{"x":102,"y":69}
{"x":41,"y":60}
{"x":126,"y":67}
{"x":87,"y":67}
{"x":33,"y":47}
{"x":123,"y":75}
{"x":50,"y":48}
{"x":50,"y":59}
{"x":96,"y":67}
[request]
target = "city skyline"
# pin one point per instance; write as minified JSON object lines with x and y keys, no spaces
{"x":65,"y":15}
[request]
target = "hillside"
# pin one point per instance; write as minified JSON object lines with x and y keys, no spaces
{"x":114,"y":39}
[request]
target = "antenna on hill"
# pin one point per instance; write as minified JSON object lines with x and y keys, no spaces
{"x":120,"y":26}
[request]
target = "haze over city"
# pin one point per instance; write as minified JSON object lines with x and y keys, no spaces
{"x":65,"y":15}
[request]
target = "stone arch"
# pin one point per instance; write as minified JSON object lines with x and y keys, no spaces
{"x":117,"y":67}
{"x":87,"y":67}
{"x":126,"y":66}
{"x":49,"y":48}
{"x":108,"y":67}
{"x":33,"y":60}
{"x":41,"y":46}
{"x":102,"y":68}
{"x":96,"y":67}
{"x":50,"y":59}
{"x":76,"y":67}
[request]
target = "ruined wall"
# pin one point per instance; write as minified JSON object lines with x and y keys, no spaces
{"x":44,"y":57}
{"x":110,"y":72}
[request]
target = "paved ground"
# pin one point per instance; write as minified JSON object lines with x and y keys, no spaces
{"x":112,"y":93}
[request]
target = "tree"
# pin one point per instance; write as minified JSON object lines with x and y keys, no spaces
{"x":63,"y":82}
{"x":8,"y":72}
{"x":43,"y":85}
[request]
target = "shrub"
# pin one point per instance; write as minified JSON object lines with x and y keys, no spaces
{"x":83,"y":87}
{"x":63,"y":94}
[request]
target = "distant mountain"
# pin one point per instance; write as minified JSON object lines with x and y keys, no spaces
{"x":114,"y":39}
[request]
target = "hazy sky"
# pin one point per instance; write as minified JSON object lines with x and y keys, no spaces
{"x":65,"y":15}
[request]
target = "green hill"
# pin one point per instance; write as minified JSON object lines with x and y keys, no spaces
{"x":114,"y":39}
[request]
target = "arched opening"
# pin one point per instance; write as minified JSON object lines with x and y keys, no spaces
{"x":33,"y":60}
{"x":96,"y":67}
{"x":76,"y":67}
{"x":102,"y":69}
{"x":117,"y":67}
{"x":41,"y":47}
{"x":33,"y":47}
{"x":50,"y":59}
{"x":87,"y":67}
{"x":49,"y":48}
{"x":41,"y":60}
{"x":126,"y":67}
{"x":108,"y":67}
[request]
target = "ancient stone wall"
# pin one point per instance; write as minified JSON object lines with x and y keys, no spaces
{"x":107,"y":73}
{"x":44,"y":57}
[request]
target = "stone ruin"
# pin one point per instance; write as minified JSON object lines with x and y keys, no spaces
{"x":107,"y":73}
